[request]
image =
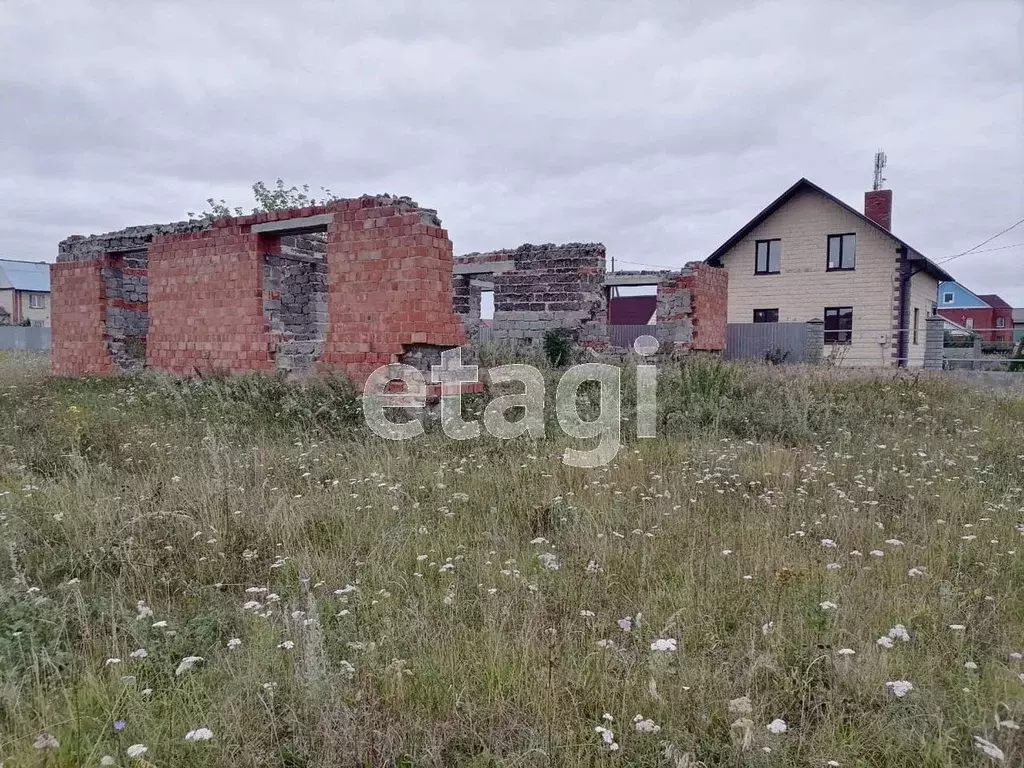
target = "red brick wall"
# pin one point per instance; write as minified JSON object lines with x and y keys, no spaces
{"x":878,"y":207}
{"x":389,"y":284}
{"x":206,"y":303}
{"x":77,"y":319}
{"x":984,"y":320}
{"x":709,"y":289}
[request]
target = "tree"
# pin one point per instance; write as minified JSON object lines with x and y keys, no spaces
{"x":278,"y":198}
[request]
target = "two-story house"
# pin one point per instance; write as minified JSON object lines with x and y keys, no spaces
{"x":987,"y":314}
{"x":808,"y":255}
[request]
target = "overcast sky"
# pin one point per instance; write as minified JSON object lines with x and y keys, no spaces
{"x":657,"y":128}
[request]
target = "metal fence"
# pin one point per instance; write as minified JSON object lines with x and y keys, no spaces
{"x":785,"y":342}
{"x":625,"y":335}
{"x":25,"y":338}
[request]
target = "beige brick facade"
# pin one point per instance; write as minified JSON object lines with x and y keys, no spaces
{"x":804,"y":287}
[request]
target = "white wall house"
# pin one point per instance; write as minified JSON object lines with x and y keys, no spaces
{"x":808,"y":255}
{"x":24,"y":292}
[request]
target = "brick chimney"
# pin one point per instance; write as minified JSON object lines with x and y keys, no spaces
{"x":878,"y":207}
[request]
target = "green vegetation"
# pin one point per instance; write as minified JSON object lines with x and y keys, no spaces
{"x":357,"y":602}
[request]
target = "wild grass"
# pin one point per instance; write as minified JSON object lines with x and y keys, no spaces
{"x":442,"y":603}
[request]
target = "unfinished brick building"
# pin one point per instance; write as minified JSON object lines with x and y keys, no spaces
{"x":348,"y":286}
{"x":539,"y":287}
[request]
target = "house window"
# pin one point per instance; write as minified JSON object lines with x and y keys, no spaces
{"x":969,"y":323}
{"x":766,"y":315}
{"x":1000,"y":322}
{"x":768,"y":257}
{"x":36,"y":301}
{"x":838,"y":325}
{"x":947,"y":297}
{"x":917,"y":313}
{"x":842,"y":252}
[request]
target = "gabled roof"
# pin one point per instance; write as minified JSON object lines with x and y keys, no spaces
{"x":25,"y":275}
{"x":994,"y":300}
{"x":925,"y":264}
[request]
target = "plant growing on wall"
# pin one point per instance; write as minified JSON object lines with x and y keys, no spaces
{"x":276,"y":198}
{"x":558,"y":346}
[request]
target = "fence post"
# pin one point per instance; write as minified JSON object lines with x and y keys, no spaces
{"x":814,"y":341}
{"x":934,"y":341}
{"x":976,"y":354}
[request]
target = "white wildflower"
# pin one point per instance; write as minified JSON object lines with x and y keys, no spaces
{"x":914,"y":572}
{"x":664,"y":644}
{"x":136,"y":750}
{"x":234,"y":643}
{"x":186,"y":664}
{"x":46,"y":741}
{"x":777,"y":726}
{"x":827,"y":605}
{"x":287,"y":645}
{"x":900,"y":688}
{"x":549,"y":560}
{"x":989,"y":748}
{"x":741,"y":706}
{"x":199,"y":734}
{"x":645,"y":725}
{"x":138,"y":653}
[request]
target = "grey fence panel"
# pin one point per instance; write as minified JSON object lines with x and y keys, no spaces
{"x":485,"y":333}
{"x":753,"y":341}
{"x":25,"y":338}
{"x":625,"y":335}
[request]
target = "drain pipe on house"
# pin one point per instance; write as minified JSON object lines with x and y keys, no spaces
{"x":907,"y":273}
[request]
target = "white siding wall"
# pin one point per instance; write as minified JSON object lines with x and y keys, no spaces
{"x":804,"y":288}
{"x":923,"y":290}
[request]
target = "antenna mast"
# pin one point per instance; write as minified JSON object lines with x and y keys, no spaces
{"x":879,"y":167}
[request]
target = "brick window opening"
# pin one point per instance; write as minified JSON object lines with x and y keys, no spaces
{"x":766,"y":315}
{"x":842,"y":252}
{"x":767,"y":257}
{"x":1000,"y":322}
{"x":487,"y":304}
{"x":295,"y":296}
{"x":838,"y":325}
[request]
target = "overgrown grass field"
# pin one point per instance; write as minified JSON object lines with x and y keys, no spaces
{"x":805,"y":568}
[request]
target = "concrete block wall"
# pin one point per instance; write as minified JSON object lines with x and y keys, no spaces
{"x":551,"y":286}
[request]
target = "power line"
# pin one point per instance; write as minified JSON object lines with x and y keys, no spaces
{"x":998,"y":248}
{"x":983,"y":242}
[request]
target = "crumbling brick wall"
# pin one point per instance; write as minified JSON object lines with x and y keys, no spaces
{"x":348,"y":286}
{"x":537,"y":288}
{"x":709,"y":292}
{"x":390,"y":286}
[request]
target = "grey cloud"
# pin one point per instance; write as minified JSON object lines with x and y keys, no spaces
{"x":656,"y":127}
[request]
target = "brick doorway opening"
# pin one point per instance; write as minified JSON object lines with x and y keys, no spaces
{"x":295,"y":295}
